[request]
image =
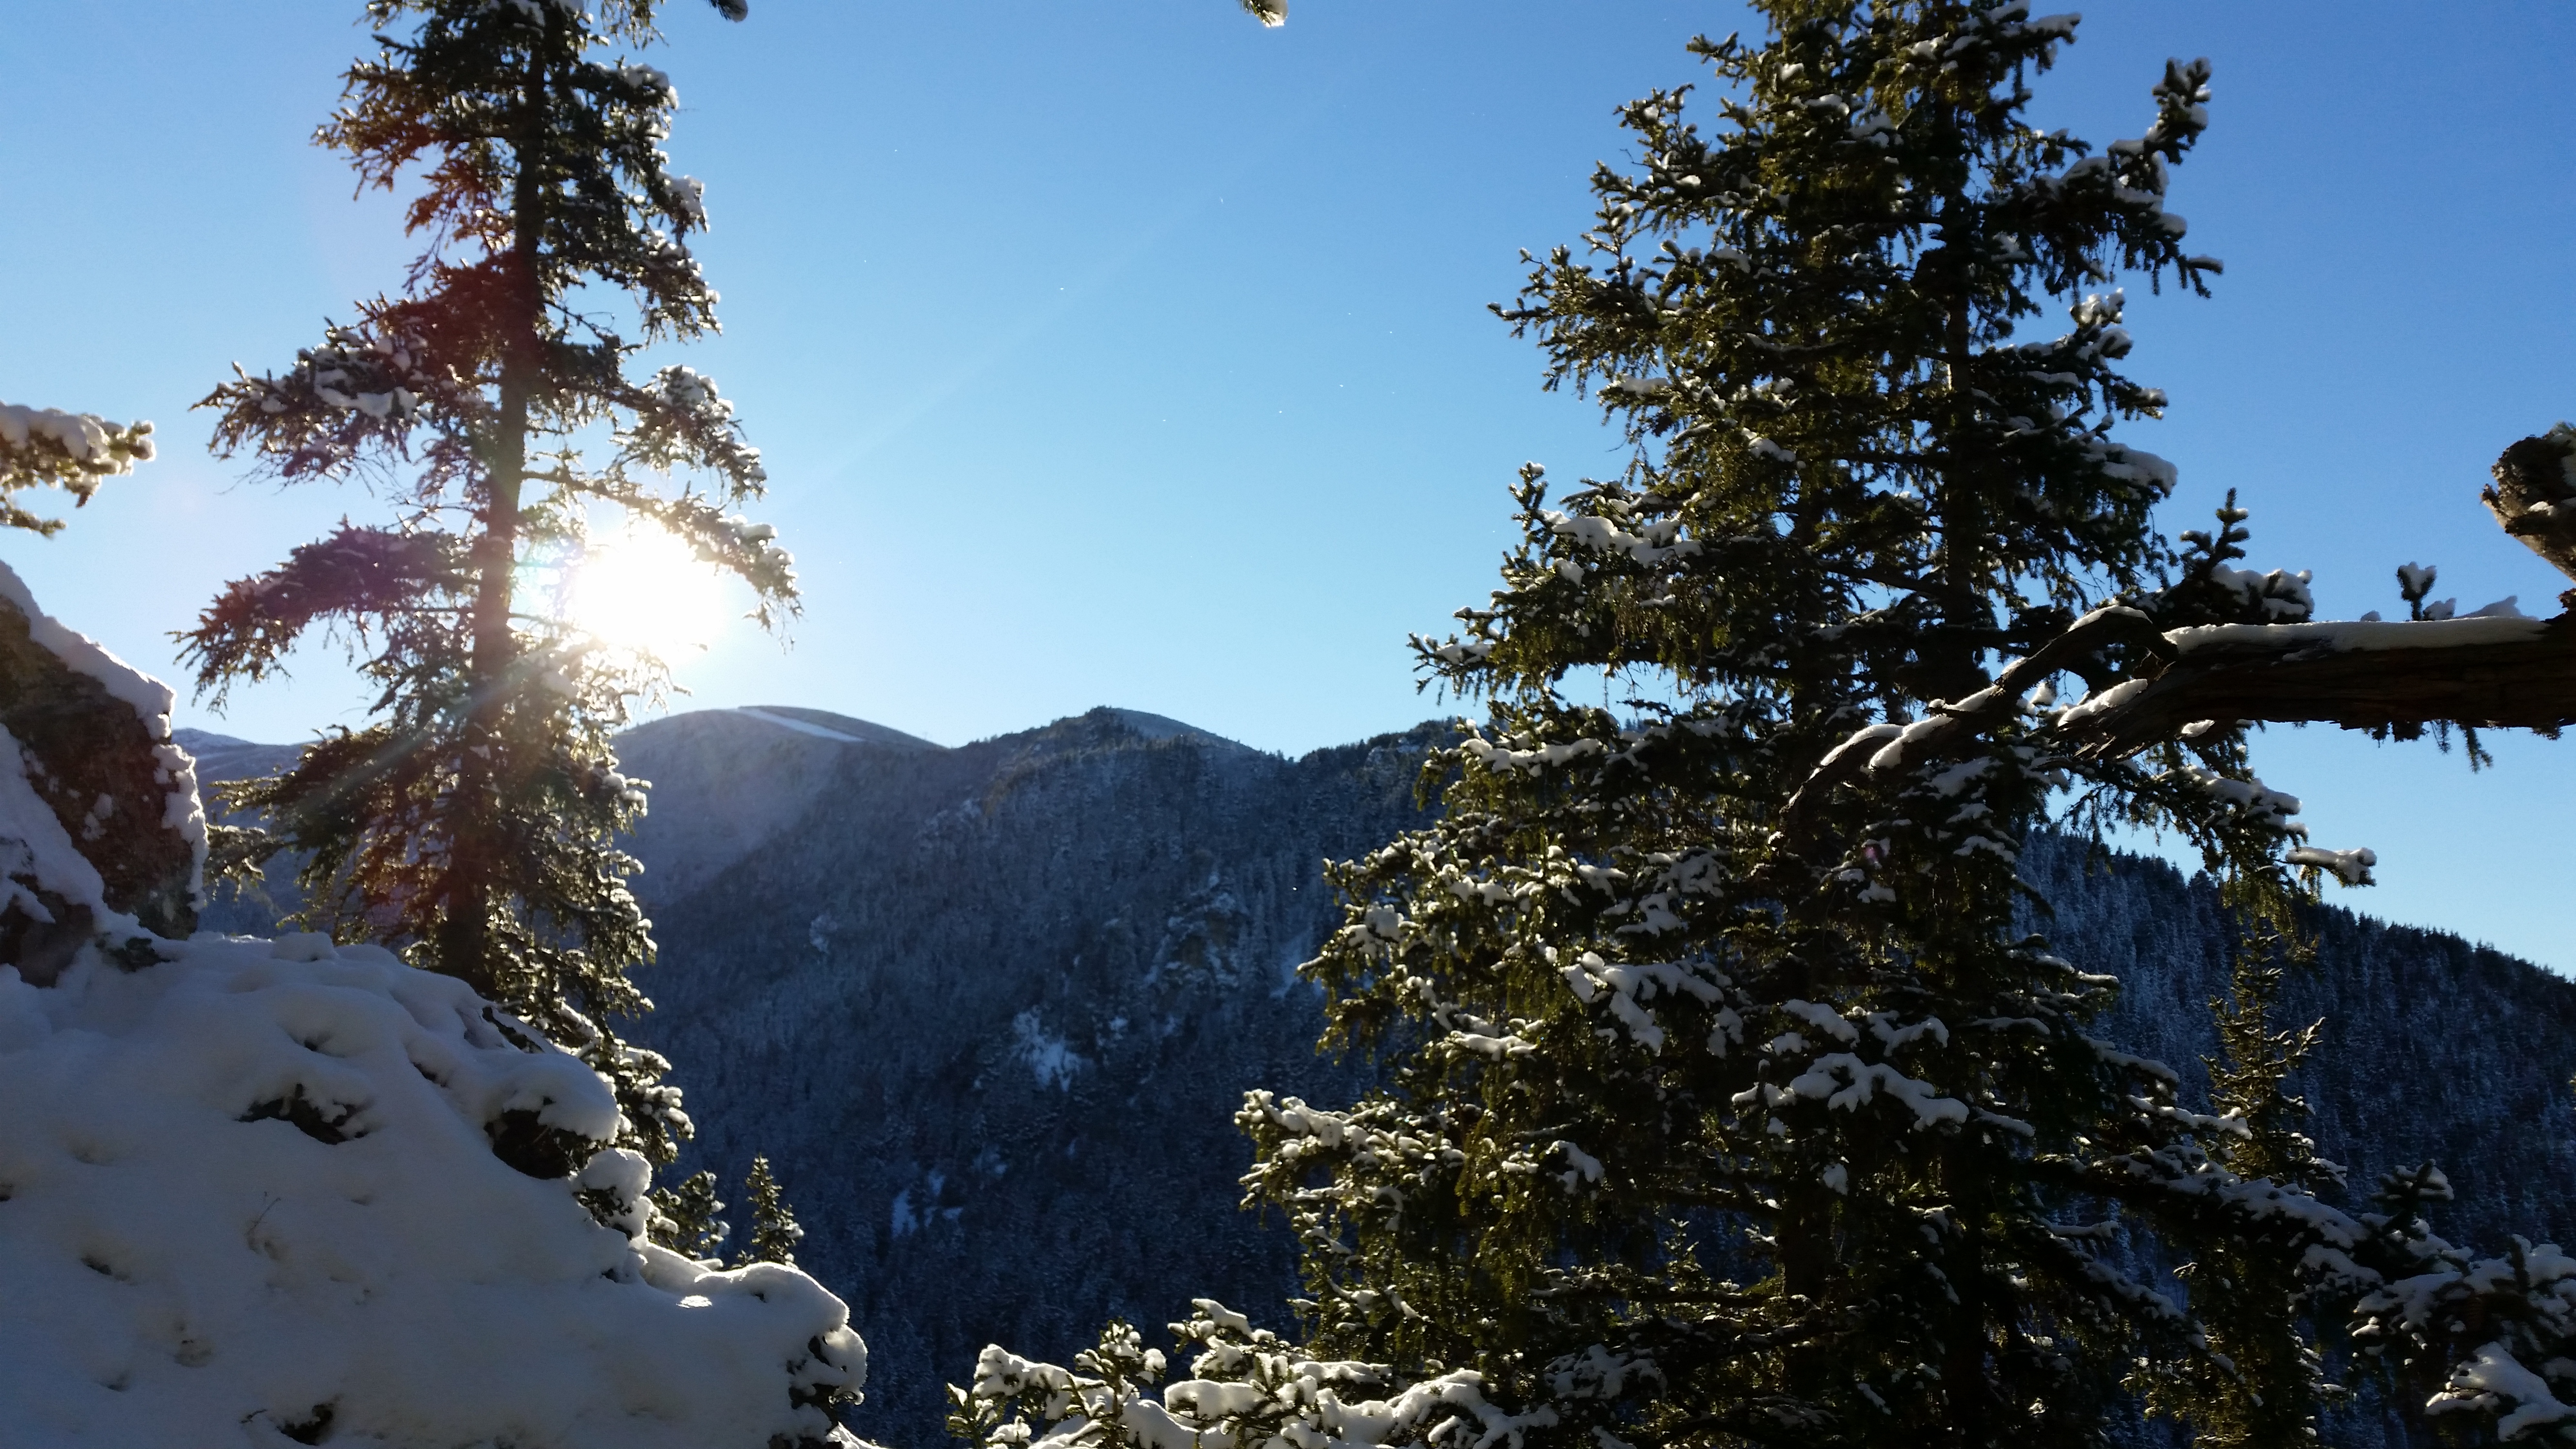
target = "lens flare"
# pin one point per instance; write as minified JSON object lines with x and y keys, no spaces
{"x":646,"y":590}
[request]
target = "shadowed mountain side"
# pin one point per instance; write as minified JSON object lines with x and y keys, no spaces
{"x":991,"y":1011}
{"x":2434,"y":1049}
{"x":724,"y":780}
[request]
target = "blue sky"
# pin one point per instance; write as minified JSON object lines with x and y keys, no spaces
{"x":1128,"y":353}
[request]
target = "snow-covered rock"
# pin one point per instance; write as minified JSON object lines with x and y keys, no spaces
{"x":86,"y":737}
{"x":253,"y":1189}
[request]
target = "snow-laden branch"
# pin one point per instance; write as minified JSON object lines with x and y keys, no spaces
{"x":2492,"y":669}
{"x":46,"y":447}
{"x":1881,"y":750}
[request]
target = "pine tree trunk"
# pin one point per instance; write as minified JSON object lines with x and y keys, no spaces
{"x":1963,"y":1367}
{"x":464,"y":946}
{"x":1956,"y":670}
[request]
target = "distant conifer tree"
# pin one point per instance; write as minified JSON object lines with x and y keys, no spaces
{"x":474,"y":823}
{"x":774,"y":1230}
{"x":2263,"y":1380}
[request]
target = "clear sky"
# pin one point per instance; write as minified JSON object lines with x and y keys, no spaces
{"x":1128,"y":353}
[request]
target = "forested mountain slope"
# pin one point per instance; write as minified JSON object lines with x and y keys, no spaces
{"x":989,"y":1011}
{"x":2433,"y":1048}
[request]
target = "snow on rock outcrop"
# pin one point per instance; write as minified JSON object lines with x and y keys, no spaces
{"x":261,"y":1192}
{"x":89,"y":736}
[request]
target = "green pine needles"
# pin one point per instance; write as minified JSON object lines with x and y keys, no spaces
{"x":75,"y":452}
{"x":473,"y":824}
{"x":774,"y":1230}
{"x":685,"y":1219}
{"x":1732,"y":1097}
{"x":2263,"y":1379}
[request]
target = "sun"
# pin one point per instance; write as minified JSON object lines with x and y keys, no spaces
{"x":644,"y":589}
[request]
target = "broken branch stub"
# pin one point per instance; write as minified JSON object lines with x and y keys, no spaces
{"x":2534,"y":497}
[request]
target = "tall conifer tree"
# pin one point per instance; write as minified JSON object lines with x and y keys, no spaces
{"x":474,"y":822}
{"x":1733,"y":1100}
{"x":1728,"y":1058}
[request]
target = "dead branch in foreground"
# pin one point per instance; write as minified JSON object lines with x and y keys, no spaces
{"x":2499,"y":673}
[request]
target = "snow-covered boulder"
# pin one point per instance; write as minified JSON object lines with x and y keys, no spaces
{"x":88,"y":736}
{"x":261,"y":1192}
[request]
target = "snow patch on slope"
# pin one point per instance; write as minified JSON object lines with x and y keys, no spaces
{"x":798,"y":725}
{"x":1163,"y":727}
{"x":823,"y":724}
{"x":250,"y":1190}
{"x":1048,"y":1055}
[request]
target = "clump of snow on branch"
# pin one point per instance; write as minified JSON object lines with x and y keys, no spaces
{"x":46,"y":447}
{"x":2352,"y":867}
{"x":1246,"y":1386}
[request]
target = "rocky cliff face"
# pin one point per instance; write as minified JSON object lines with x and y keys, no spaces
{"x":990,"y":1011}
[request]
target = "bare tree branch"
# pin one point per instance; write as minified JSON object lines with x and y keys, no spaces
{"x":1883,"y":749}
{"x":2505,"y":673}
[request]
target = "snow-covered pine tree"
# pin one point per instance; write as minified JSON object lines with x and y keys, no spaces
{"x":686,"y":1221}
{"x":49,"y":448}
{"x":473,"y":824}
{"x":1734,"y":1099}
{"x":1731,"y":1100}
{"x":774,"y":1229}
{"x":2486,"y":1345}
